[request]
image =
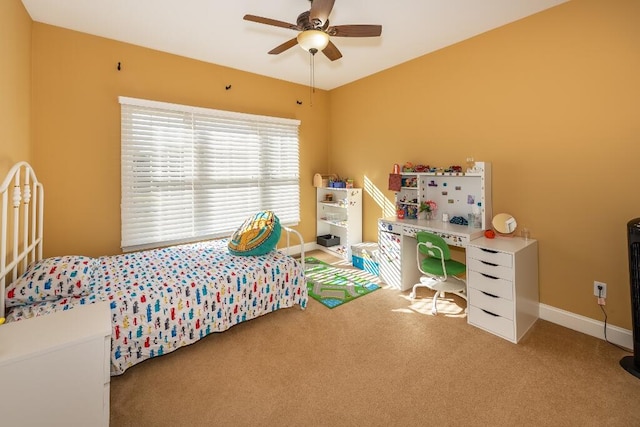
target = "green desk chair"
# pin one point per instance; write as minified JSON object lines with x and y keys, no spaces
{"x":439,"y":270}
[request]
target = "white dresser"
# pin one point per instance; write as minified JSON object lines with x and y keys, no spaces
{"x":54,"y":369}
{"x":502,"y":285}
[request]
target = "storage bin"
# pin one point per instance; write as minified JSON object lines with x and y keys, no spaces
{"x":365,"y":264}
{"x":328,"y":240}
{"x":365,"y":257}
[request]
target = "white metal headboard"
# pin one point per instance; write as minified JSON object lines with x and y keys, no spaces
{"x":22,"y":230}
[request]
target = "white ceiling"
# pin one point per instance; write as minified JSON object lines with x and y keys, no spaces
{"x":214,"y":31}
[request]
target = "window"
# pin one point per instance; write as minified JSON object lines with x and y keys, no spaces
{"x":193,"y":173}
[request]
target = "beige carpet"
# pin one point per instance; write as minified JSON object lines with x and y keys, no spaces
{"x":381,"y":360}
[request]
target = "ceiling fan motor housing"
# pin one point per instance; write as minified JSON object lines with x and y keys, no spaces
{"x":304,"y":23}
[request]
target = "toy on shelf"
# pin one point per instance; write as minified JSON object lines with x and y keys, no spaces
{"x":410,"y":182}
{"x":472,"y":167}
{"x":408,"y":167}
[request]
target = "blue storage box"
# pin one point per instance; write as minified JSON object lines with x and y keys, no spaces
{"x":365,"y":257}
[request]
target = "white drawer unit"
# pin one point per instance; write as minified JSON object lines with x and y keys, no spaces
{"x":55,"y":368}
{"x":502,"y":285}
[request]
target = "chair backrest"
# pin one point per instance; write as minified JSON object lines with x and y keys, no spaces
{"x":435,"y":240}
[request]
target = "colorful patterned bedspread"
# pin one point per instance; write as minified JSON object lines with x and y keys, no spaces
{"x":167,"y":298}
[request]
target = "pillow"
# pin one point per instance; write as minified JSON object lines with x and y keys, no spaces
{"x":258,"y":235}
{"x":53,"y":278}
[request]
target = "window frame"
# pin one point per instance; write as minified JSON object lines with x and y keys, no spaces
{"x":219,"y":167}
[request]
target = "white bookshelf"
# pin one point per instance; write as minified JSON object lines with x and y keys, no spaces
{"x":339,"y":215}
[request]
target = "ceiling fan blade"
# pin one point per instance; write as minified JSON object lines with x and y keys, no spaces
{"x":332,"y":52}
{"x":269,"y":21}
{"x":320,"y":10}
{"x":284,"y":46}
{"x":355,"y":30}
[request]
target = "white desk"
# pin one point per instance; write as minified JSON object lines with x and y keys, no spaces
{"x":397,"y":240}
{"x":502,"y":273}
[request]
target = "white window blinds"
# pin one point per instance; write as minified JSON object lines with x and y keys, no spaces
{"x":192,"y":173}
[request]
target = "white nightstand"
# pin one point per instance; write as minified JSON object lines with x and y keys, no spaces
{"x":54,"y":369}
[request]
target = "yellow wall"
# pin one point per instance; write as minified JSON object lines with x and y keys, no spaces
{"x":15,"y":84}
{"x":76,"y":135}
{"x":552,"y":101}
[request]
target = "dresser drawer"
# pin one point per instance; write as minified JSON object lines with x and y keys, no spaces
{"x":494,"y":304}
{"x":497,"y":271}
{"x":493,"y":285}
{"x":492,"y":323}
{"x":491,"y":256}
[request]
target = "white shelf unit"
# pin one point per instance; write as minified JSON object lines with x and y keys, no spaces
{"x":408,"y":198}
{"x":455,"y":193}
{"x":55,"y":368}
{"x":341,"y":216}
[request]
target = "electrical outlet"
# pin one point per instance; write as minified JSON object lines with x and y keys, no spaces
{"x":599,"y":289}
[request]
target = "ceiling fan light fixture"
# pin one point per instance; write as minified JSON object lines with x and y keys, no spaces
{"x":313,"y":39}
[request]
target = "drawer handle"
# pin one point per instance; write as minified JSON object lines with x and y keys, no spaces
{"x":488,"y":312}
{"x":489,"y":276}
{"x":489,"y":263}
{"x":489,"y":250}
{"x":490,"y":295}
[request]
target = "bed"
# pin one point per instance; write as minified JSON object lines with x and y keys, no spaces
{"x":160,"y":299}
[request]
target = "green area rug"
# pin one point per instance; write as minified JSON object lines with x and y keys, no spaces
{"x":333,"y":286}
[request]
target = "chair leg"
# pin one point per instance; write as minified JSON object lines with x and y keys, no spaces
{"x":442,"y":294}
{"x":412,"y":295}
{"x":463,"y":295}
{"x":434,"y":306}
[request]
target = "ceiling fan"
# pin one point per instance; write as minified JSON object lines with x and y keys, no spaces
{"x":315,"y":31}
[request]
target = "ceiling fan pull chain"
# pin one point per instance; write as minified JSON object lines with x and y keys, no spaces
{"x":312,"y":77}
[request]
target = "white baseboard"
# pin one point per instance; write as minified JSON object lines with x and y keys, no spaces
{"x":620,"y":336}
{"x":308,"y":247}
{"x":294,"y":250}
